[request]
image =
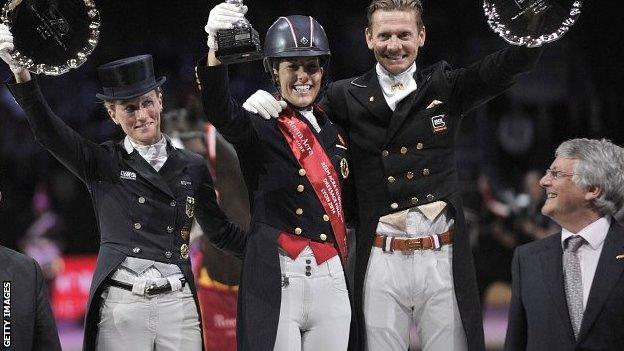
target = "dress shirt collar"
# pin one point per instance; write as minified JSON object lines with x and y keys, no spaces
{"x":155,"y":154}
{"x":309,"y":115}
{"x":396,"y":87}
{"x":594,"y":234}
{"x":159,"y":147}
{"x":388,"y":79}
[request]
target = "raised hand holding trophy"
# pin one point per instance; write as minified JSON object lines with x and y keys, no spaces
{"x":51,"y":36}
{"x":238,"y":44}
{"x":531,"y":23}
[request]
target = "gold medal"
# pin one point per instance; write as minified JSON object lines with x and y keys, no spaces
{"x":184,"y":251}
{"x":344,"y":168}
{"x":185,"y":233}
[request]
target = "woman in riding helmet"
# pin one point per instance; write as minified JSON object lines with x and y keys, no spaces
{"x":293,"y":294}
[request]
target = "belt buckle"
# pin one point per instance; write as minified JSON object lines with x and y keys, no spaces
{"x":149,"y":289}
{"x":413,"y":244}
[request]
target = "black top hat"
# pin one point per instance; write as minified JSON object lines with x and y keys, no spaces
{"x":128,"y":78}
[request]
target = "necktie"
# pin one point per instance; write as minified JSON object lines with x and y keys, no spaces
{"x":573,"y":281}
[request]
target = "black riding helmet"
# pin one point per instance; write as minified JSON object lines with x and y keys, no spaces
{"x":295,"y":36}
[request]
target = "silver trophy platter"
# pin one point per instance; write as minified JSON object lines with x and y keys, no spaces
{"x":531,"y":23}
{"x":52,"y":36}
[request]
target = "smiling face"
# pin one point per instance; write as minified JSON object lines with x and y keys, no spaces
{"x":139,"y":117}
{"x":394,"y":37}
{"x":299,"y":80}
{"x":567,"y":203}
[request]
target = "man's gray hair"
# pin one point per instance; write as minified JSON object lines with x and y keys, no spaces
{"x":600,"y":163}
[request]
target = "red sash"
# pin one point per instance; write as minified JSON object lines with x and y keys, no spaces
{"x":319,"y":171}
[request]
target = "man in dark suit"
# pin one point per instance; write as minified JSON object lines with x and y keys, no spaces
{"x":145,"y":194}
{"x":413,"y":260}
{"x":27,"y":320}
{"x":568,"y":289}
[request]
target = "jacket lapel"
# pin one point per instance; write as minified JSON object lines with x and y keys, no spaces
{"x":367,"y":91}
{"x":608,"y":273}
{"x":405,"y":106}
{"x":174,"y":165}
{"x":138,"y":163}
{"x":552,"y":268}
{"x":327,"y":136}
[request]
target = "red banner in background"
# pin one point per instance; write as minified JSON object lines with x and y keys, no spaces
{"x":218,"y":308}
{"x":71,"y":287}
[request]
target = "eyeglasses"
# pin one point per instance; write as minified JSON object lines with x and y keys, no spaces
{"x":556,"y":174}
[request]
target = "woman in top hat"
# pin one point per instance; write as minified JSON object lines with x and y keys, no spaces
{"x":292,"y":294}
{"x":145,"y":194}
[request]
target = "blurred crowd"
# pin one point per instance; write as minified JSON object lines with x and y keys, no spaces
{"x":507,"y":217}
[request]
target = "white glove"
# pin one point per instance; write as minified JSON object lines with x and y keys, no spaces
{"x":222,"y":16}
{"x":6,"y":46}
{"x":264,"y":104}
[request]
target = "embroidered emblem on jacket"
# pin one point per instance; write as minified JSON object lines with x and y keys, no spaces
{"x":190,"y":206}
{"x":128,"y":175}
{"x":438,"y":124}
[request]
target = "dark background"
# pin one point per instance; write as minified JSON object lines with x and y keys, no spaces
{"x":574,"y":92}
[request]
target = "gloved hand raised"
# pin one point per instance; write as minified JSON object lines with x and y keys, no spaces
{"x":222,"y":16}
{"x":264,"y":104}
{"x":6,"y":46}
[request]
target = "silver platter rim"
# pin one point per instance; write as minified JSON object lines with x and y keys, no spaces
{"x":493,"y":21}
{"x":71,"y":63}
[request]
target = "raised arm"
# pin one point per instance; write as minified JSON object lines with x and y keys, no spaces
{"x":490,"y":76}
{"x":232,"y":121}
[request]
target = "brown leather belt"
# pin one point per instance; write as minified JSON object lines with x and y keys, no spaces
{"x":390,"y":243}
